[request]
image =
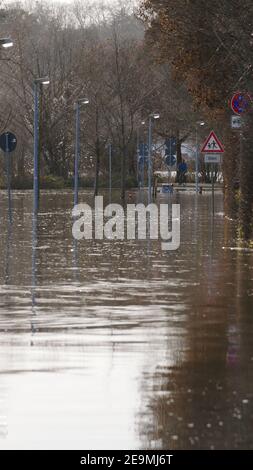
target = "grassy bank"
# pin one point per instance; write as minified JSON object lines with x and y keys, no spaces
{"x":55,"y":182}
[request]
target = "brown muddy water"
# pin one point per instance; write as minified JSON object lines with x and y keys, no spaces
{"x":118,"y":344}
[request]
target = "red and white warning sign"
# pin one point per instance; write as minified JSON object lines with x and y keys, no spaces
{"x":212,"y":144}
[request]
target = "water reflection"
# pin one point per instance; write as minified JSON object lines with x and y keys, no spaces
{"x":117,"y":344}
{"x":8,"y":245}
{"x":34,"y":268}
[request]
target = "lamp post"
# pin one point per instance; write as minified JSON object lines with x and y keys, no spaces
{"x":78,"y":104}
{"x":152,"y":117}
{"x":6,"y":43}
{"x":201,"y":124}
{"x":110,"y":171}
{"x":38,"y":82}
{"x":139,"y":155}
{"x":7,"y":160}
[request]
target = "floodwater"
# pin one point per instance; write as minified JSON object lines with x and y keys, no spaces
{"x":118,"y":344}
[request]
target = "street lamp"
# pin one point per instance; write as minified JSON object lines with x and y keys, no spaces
{"x":78,"y":104}
{"x":138,"y":154}
{"x":38,"y":83}
{"x":110,"y":170}
{"x":6,"y":42}
{"x":198,"y":124}
{"x":143,"y":123}
{"x":152,"y":117}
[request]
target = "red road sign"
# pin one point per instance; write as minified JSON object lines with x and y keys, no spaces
{"x":240,"y":103}
{"x":212,"y":144}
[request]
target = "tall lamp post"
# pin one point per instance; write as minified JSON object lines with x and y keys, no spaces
{"x":38,"y":83}
{"x":5,"y":43}
{"x":139,"y":155}
{"x":110,"y":170}
{"x":78,"y":104}
{"x":152,"y":117}
{"x":198,"y":124}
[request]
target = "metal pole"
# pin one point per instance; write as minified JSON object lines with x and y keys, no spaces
{"x":110,"y":171}
{"x":213,"y":188}
{"x":150,"y":160}
{"x":142,"y":157}
{"x":36,"y":149}
{"x":240,"y":155}
{"x":7,"y":156}
{"x":8,"y":163}
{"x":40,"y":125}
{"x":77,"y":151}
{"x":197,"y":163}
{"x":142,"y":163}
{"x":170,"y":169}
{"x":137,"y":156}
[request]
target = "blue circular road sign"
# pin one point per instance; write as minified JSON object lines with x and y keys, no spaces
{"x":8,"y":142}
{"x":170,"y":160}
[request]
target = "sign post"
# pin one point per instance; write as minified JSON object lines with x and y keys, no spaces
{"x":213,"y":187}
{"x":143,"y":155}
{"x":8,"y":143}
{"x":236,"y":122}
{"x":212,"y":158}
{"x":170,"y":154}
{"x":110,"y":172}
{"x":212,"y":149}
{"x":240,"y":104}
{"x":7,"y":158}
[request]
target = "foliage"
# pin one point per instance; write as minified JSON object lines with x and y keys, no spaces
{"x":209,"y":46}
{"x":87,"y":50}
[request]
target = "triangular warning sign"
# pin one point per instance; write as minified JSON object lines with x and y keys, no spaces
{"x":212,"y":144}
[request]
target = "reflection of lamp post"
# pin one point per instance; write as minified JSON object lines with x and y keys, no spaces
{"x":152,"y":117}
{"x":201,"y":124}
{"x":78,"y":104}
{"x":38,"y":82}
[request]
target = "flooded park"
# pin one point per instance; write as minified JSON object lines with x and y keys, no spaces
{"x":126,"y":231}
{"x":118,"y":344}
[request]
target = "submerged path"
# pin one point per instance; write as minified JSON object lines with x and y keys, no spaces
{"x":119,"y":344}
